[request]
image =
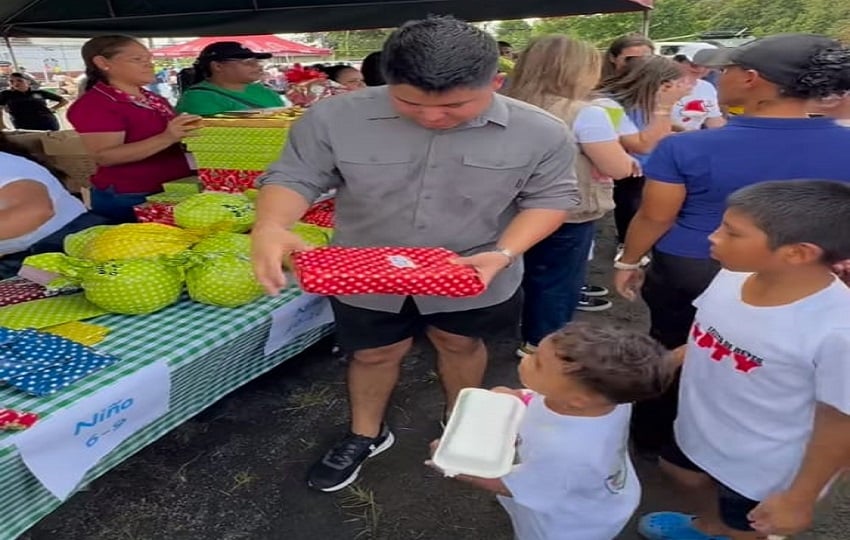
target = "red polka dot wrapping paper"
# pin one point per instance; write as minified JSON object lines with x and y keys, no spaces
{"x":321,"y":214}
{"x":155,"y":212}
{"x":228,"y":180}
{"x":334,"y":271}
{"x":18,"y":290}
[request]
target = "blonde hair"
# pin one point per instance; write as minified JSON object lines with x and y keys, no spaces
{"x":555,"y":67}
{"x":636,"y":87}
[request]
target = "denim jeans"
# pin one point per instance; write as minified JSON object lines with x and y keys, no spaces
{"x":554,"y":275}
{"x":116,"y":207}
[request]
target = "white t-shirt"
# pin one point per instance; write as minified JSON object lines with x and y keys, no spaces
{"x":691,"y":112}
{"x":574,"y":480}
{"x":593,"y":125}
{"x":623,"y":125}
{"x":66,"y":208}
{"x":752,"y":378}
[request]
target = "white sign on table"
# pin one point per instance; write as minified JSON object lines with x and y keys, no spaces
{"x":304,"y":313}
{"x":61,"y":449}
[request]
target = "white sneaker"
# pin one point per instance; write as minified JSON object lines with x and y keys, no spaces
{"x":526,"y":349}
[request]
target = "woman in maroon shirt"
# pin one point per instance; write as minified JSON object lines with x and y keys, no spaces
{"x":132,"y":134}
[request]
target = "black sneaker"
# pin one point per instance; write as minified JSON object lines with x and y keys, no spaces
{"x":594,"y":290}
{"x":589,"y":303}
{"x":341,"y":464}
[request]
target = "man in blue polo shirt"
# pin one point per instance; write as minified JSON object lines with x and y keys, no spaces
{"x":690,"y":176}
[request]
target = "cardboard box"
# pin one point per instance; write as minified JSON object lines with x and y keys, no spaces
{"x":63,"y":143}
{"x":65,"y":150}
{"x":61,"y":149}
{"x":29,"y":140}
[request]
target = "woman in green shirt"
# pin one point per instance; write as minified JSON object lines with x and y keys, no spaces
{"x":225,"y":79}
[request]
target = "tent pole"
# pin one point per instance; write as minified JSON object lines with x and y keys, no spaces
{"x":645,"y":23}
{"x":11,"y":53}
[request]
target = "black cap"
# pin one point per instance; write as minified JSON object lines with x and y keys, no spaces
{"x":705,"y":57}
{"x":229,"y":50}
{"x":780,"y":59}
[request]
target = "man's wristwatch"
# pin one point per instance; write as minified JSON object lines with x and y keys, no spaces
{"x":507,"y":253}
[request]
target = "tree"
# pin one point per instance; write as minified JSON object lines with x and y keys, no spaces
{"x":352,"y":44}
{"x":517,"y":33}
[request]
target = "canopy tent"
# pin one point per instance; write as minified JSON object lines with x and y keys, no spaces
{"x":264,"y":44}
{"x":238,"y":17}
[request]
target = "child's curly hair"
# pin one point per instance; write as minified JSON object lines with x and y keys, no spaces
{"x":623,"y":365}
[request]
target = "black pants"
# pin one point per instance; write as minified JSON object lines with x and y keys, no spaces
{"x":41,"y":123}
{"x":672,"y":284}
{"x":627,"y":196}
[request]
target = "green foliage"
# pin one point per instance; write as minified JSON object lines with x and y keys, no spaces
{"x":517,"y":33}
{"x":353,"y":44}
{"x":678,"y":20}
{"x":684,"y":19}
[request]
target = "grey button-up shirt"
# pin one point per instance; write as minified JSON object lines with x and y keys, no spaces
{"x":402,"y":185}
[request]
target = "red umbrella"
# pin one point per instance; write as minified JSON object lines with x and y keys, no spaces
{"x":264,"y":44}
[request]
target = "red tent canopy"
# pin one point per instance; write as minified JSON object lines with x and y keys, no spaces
{"x":265,"y":44}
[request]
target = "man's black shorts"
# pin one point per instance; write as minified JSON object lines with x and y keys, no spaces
{"x":733,"y":506}
{"x":358,"y":328}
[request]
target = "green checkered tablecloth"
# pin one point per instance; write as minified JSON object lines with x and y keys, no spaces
{"x":211,"y":351}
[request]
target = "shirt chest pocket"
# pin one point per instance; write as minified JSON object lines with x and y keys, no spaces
{"x":492,"y":178}
{"x":376,"y":174}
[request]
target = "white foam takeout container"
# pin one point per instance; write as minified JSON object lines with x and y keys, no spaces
{"x":480,"y":438}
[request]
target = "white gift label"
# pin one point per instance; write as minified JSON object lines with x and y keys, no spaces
{"x":305,"y":313}
{"x":400,"y":261}
{"x":61,"y":449}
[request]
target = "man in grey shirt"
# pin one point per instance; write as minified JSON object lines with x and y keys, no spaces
{"x":434,"y":159}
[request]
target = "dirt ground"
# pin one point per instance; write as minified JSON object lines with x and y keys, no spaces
{"x":237,"y":471}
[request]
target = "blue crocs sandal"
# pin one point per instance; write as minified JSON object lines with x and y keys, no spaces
{"x":672,"y":526}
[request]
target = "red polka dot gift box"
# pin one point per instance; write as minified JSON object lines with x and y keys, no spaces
{"x":321,"y":214}
{"x":228,"y":180}
{"x":155,"y":212}
{"x":17,"y":290}
{"x":405,"y":271}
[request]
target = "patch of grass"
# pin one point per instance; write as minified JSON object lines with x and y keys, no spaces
{"x":306,"y":445}
{"x":181,"y":472}
{"x":361,"y":505}
{"x":314,"y":396}
{"x":240,"y":479}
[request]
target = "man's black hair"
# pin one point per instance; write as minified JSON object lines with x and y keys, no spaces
{"x":438,"y":54}
{"x":505,"y":44}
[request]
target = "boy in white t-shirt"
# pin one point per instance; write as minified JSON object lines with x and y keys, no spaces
{"x":574,"y":479}
{"x":764,"y":407}
{"x":700,"y":107}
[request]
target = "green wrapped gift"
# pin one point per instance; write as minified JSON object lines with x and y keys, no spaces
{"x":168,"y":198}
{"x":222,"y":279}
{"x":189,"y":186}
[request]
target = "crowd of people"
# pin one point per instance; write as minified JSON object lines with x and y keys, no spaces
{"x":732,"y":208}
{"x":742,"y":221}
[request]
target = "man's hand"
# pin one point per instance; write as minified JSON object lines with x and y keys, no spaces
{"x":487,"y":264}
{"x":270,"y":246}
{"x":628,"y":283}
{"x":782,"y":514}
